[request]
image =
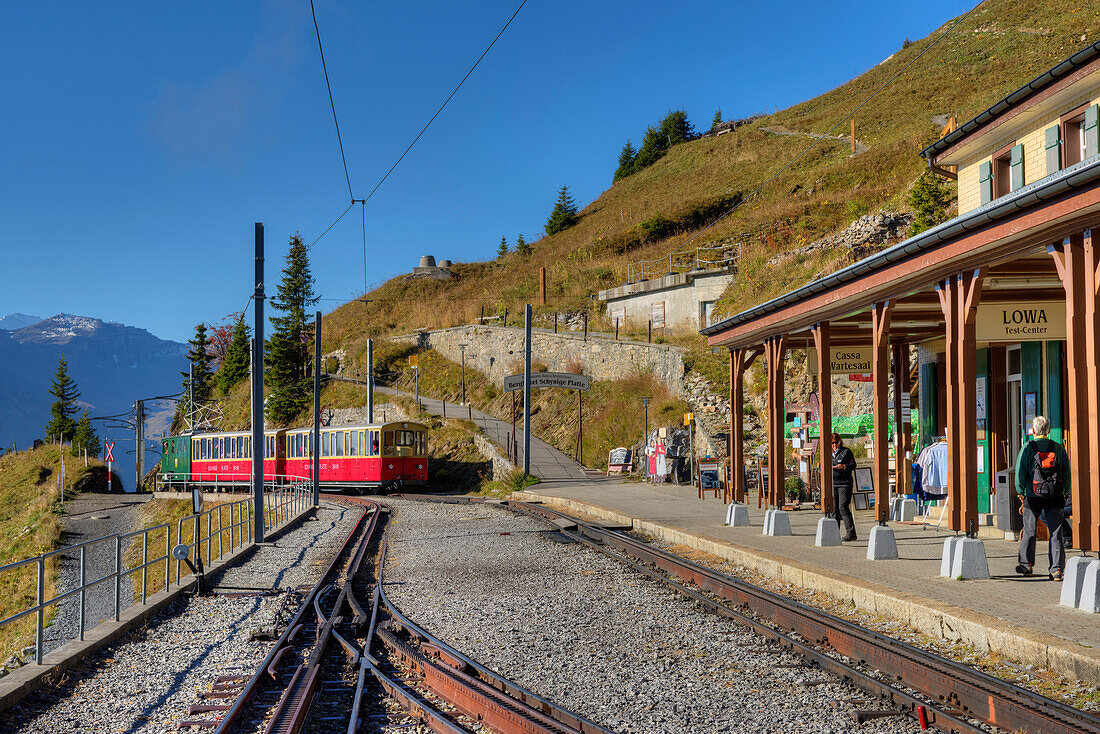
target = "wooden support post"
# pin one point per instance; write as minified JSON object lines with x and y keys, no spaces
{"x":969,"y":287}
{"x":902,"y":468}
{"x":853,"y":135}
{"x":1074,"y":269}
{"x":948,"y":295}
{"x":825,"y":403}
{"x":880,"y":367}
{"x":776,"y":348}
{"x":739,"y":362}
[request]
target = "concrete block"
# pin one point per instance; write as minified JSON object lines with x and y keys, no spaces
{"x":907,"y":510}
{"x":780,"y":523}
{"x":737,"y":515}
{"x":948,"y":560}
{"x":969,"y":561}
{"x":895,"y":508}
{"x":828,"y":532}
{"x":768,"y":521}
{"x":1090,"y":589}
{"x":1073,"y":580}
{"x":881,"y":546}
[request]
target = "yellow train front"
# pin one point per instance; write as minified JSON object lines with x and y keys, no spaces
{"x":380,"y":457}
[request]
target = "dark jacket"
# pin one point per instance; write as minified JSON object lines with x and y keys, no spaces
{"x":1025,"y":464}
{"x":843,"y":477}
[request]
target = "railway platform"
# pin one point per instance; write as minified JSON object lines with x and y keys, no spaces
{"x":1014,"y":616}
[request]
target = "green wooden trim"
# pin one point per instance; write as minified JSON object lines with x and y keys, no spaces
{"x":985,"y":181}
{"x":1053,"y":148}
{"x":1056,"y":409}
{"x":1016,"y":167}
{"x":1092,"y":128}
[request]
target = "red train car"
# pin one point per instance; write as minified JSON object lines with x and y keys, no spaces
{"x":378,"y":455}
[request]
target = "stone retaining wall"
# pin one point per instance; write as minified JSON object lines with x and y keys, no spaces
{"x":497,"y":352}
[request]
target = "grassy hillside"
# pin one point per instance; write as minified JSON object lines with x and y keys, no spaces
{"x":30,"y":524}
{"x":1003,"y":44}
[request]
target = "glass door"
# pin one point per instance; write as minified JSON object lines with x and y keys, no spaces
{"x":1015,"y":405}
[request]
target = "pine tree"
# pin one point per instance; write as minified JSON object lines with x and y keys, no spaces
{"x":237,"y":358}
{"x":198,"y":383}
{"x":676,"y":128}
{"x":65,"y":392}
{"x":84,"y":436}
{"x":654,"y":145}
{"x":717,"y":119}
{"x":288,"y":351}
{"x":522,"y":247}
{"x":626,"y":161}
{"x":502,"y":248}
{"x":564,"y":214}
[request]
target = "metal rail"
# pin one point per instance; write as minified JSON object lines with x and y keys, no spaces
{"x":700,"y":258}
{"x":284,"y":504}
{"x":959,"y":692}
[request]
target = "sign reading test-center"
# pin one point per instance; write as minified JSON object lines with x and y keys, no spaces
{"x":1029,"y":321}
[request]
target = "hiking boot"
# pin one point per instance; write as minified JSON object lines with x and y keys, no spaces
{"x":1056,"y":574}
{"x":850,"y":538}
{"x":1023,"y":569}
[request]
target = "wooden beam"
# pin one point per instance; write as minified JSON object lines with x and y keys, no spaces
{"x":825,"y":409}
{"x":948,"y":294}
{"x":737,"y":424}
{"x":902,"y":468}
{"x":880,"y":371}
{"x":969,"y":287}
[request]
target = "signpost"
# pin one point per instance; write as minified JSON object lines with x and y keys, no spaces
{"x":109,"y":448}
{"x":563,"y":380}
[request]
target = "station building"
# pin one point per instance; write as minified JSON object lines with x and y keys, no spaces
{"x":1000,"y":304}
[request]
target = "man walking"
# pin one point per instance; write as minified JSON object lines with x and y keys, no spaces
{"x":844,"y":466}
{"x":1042,"y":481}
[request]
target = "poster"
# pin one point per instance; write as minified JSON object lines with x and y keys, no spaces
{"x":1031,"y":409}
{"x":980,"y":397}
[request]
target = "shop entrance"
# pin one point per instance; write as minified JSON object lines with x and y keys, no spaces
{"x":1015,"y":416}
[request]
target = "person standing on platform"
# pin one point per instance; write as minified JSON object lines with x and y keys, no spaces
{"x":844,"y":467}
{"x":1042,"y":481}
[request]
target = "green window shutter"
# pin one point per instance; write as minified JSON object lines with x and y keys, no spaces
{"x":985,"y":181}
{"x":1016,"y":167}
{"x":1054,"y":149}
{"x":1092,"y":140}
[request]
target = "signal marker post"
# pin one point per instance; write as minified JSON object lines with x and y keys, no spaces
{"x":109,"y":449}
{"x":527,"y":390}
{"x":370,"y":380}
{"x":258,"y":393}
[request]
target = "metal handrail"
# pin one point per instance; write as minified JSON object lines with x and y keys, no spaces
{"x":682,"y":261}
{"x":282,"y":504}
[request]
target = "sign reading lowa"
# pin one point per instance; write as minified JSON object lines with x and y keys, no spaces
{"x":549,"y":379}
{"x":1021,"y":321}
{"x":844,"y":360}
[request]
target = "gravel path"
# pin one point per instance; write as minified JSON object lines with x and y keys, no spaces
{"x":593,"y":636}
{"x":87,"y":517}
{"x":146,"y":682}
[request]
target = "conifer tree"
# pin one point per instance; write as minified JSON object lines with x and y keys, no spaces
{"x":84,"y":436}
{"x":198,"y":382}
{"x":717,"y":119}
{"x":676,"y":128}
{"x":502,"y":248}
{"x":288,"y":350}
{"x":237,"y":358}
{"x":654,"y":145}
{"x":65,"y":393}
{"x":626,"y":161}
{"x":564,"y":214}
{"x":522,"y":247}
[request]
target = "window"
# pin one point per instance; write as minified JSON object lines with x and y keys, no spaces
{"x":387,"y":443}
{"x":1002,"y":176}
{"x":248,"y":447}
{"x":340,"y":443}
{"x":354,"y":444}
{"x":374,"y":443}
{"x":326,"y":444}
{"x":1079,"y":134}
{"x":311,"y":445}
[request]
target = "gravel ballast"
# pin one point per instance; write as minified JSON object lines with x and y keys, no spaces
{"x":590,"y":634}
{"x":146,"y":682}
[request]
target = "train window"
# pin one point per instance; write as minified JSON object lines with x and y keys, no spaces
{"x":299,"y":446}
{"x":326,"y":444}
{"x":310,"y":454}
{"x":387,"y":443}
{"x":421,"y":444}
{"x":362,"y":443}
{"x":374,"y":443}
{"x":247,"y":450}
{"x":354,"y":444}
{"x":340,"y":443}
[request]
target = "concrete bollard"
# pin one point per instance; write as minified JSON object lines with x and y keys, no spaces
{"x":969,"y":561}
{"x":1090,"y":589}
{"x":768,"y":521}
{"x":948,"y":560}
{"x":1073,"y":581}
{"x":780,"y":523}
{"x":881,"y":546}
{"x":828,"y":532}
{"x":737,"y":515}
{"x":907,"y":510}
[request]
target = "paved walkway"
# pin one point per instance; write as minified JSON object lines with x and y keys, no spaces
{"x":1013,"y":615}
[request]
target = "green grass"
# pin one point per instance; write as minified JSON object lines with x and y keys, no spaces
{"x":30,"y":524}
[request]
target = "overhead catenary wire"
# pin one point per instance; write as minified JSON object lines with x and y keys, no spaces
{"x":332,"y":104}
{"x":813,"y":144}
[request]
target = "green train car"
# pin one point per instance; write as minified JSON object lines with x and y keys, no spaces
{"x":175,"y":462}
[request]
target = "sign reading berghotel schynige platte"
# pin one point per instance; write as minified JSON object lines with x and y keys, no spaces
{"x":1021,"y":321}
{"x":567,"y":380}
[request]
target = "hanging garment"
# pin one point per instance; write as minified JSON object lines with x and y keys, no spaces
{"x":933,"y":466}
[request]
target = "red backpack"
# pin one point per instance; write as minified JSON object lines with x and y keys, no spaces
{"x":1046,"y":475}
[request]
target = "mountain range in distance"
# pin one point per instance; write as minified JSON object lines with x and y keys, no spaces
{"x":113,"y":365}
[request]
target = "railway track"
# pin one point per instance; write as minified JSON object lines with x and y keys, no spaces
{"x":348,"y":644}
{"x":905,"y":679}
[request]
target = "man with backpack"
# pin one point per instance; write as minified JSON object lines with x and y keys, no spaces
{"x":1042,"y":481}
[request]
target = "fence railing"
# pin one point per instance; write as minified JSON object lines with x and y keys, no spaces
{"x":701,"y":258}
{"x":207,"y":541}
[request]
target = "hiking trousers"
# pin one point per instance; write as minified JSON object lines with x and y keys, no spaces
{"x":842,"y":509}
{"x":1051,"y":513}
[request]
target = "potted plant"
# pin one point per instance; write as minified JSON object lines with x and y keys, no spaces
{"x":793,"y":486}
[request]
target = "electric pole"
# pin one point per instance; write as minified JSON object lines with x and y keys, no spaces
{"x":317,"y":410}
{"x":139,"y":435}
{"x":258,"y":393}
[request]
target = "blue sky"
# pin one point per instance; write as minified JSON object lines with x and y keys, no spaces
{"x":142,"y":140}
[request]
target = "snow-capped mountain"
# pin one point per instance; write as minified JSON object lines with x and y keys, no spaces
{"x":113,"y":366}
{"x":14,"y":321}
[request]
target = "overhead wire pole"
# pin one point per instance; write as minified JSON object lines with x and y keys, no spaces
{"x":317,"y":411}
{"x":258,"y":393}
{"x":527,"y":390}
